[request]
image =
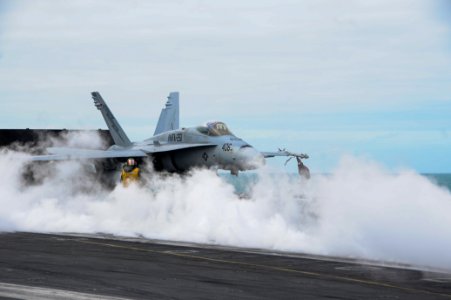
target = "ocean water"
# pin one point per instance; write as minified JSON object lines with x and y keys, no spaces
{"x":244,"y":181}
{"x":442,"y":180}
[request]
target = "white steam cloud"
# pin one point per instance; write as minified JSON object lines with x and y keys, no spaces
{"x":361,"y":210}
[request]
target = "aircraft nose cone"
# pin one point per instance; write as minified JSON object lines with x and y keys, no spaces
{"x":250,"y":159}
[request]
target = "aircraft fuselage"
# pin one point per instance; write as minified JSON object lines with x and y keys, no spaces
{"x":226,"y":152}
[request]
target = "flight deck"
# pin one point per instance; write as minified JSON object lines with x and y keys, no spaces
{"x":47,"y":266}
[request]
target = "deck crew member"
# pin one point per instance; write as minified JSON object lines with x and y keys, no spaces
{"x":130,"y":172}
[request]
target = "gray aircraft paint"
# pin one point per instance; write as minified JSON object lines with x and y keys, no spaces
{"x":171,"y":148}
{"x":169,"y":117}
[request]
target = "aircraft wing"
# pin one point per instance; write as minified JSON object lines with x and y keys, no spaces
{"x":160,"y":148}
{"x":77,"y":154}
{"x":283,"y":152}
{"x":81,"y":154}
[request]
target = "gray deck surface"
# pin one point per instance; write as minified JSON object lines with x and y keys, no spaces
{"x":151,"y":270}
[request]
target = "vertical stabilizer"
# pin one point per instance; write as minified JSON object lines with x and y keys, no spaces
{"x":169,"y":117}
{"x":116,"y":131}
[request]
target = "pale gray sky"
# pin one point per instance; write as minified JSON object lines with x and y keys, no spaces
{"x":327,"y":77}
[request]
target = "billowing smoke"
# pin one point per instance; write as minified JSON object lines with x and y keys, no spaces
{"x":360,"y":210}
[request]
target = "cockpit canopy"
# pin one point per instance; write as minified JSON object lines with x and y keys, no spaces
{"x":214,"y":129}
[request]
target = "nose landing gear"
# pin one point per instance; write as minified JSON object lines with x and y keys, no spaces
{"x":234,"y":171}
{"x":303,"y":171}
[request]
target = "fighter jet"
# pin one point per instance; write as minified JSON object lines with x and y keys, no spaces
{"x":171,"y":148}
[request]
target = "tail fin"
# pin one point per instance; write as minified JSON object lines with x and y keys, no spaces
{"x":169,"y":117}
{"x":116,"y":131}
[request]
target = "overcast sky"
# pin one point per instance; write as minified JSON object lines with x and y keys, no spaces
{"x":327,"y":77}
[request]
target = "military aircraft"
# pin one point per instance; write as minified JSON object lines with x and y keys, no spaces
{"x":171,"y":148}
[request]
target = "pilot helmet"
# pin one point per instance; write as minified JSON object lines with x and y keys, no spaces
{"x":131,"y":162}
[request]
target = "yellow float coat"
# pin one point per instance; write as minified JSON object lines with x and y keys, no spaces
{"x":128,"y":177}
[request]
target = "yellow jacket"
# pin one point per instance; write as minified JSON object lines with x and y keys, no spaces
{"x":128,"y":177}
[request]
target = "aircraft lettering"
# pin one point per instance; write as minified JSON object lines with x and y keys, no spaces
{"x":175,"y":137}
{"x":227,"y":147}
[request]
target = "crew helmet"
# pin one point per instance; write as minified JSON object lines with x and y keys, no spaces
{"x":131,"y":162}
